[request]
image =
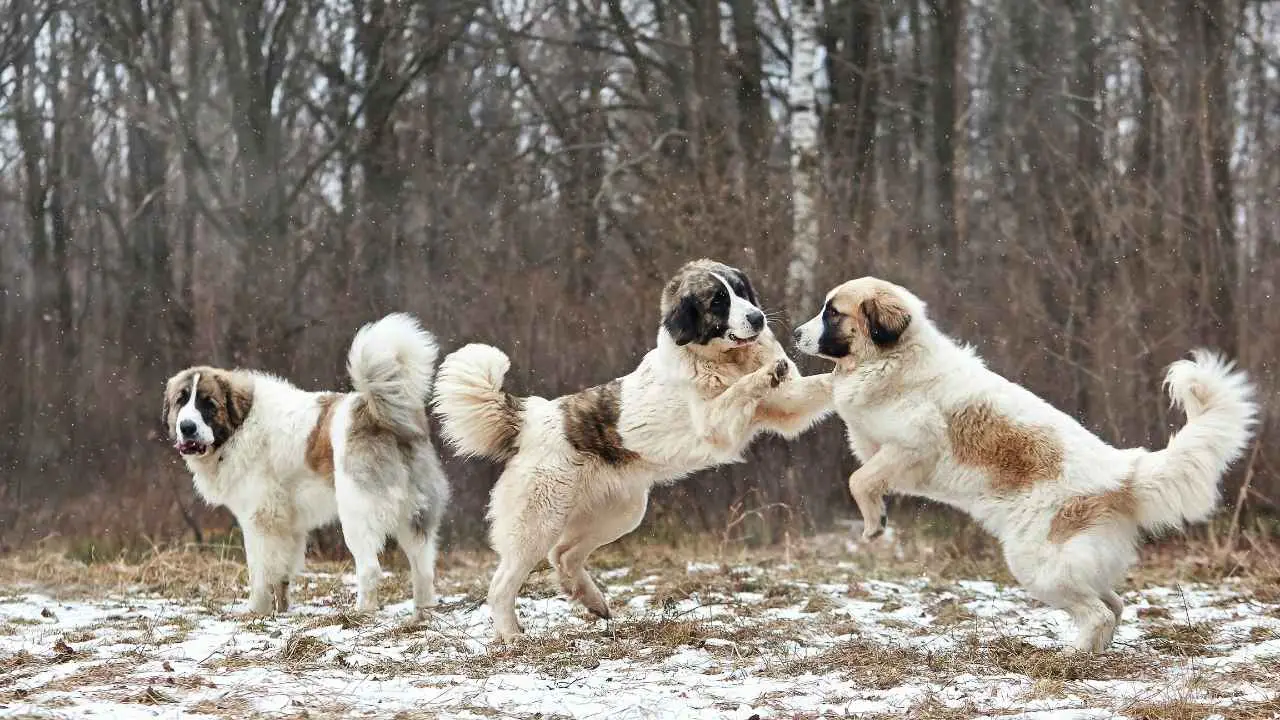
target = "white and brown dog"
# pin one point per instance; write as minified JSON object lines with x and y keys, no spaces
{"x":925,"y":417}
{"x":286,"y":461}
{"x":580,"y":467}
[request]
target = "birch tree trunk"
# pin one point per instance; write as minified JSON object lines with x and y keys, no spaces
{"x":804,"y":159}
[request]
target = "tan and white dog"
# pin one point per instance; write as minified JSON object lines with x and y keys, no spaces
{"x":580,"y":467}
{"x":286,"y":461}
{"x":926,"y":417}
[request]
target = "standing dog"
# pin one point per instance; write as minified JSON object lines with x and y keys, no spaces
{"x":579,"y":467}
{"x":286,"y":461}
{"x":925,"y":417}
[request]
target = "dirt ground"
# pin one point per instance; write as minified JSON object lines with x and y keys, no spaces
{"x":819,"y":627}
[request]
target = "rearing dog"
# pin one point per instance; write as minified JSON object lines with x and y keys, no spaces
{"x":580,"y":467}
{"x":926,"y":417}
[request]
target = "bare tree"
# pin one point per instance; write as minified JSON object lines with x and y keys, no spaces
{"x":1084,"y":189}
{"x":801,"y":280}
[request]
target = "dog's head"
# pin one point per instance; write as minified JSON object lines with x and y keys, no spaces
{"x":203,"y":407}
{"x":860,"y":320}
{"x":711,"y":304}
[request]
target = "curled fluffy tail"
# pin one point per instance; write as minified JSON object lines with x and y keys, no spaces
{"x":477,"y":417}
{"x":391,"y":364}
{"x":1181,"y":482}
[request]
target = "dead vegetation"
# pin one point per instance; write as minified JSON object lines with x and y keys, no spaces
{"x":1186,"y":639}
{"x":877,"y":619}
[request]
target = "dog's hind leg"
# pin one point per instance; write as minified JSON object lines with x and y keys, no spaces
{"x":592,"y":529}
{"x":515,"y":562}
{"x":1074,"y":578}
{"x":1096,"y":623}
{"x":417,"y":537}
{"x":1113,"y":603}
{"x":528,"y":514}
{"x":367,"y":521}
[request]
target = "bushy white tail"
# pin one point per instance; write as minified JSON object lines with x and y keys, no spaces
{"x":1181,"y":482}
{"x":477,"y":417}
{"x":392,"y":363}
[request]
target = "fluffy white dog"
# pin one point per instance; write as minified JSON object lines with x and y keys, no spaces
{"x":926,"y":417}
{"x":580,"y":467}
{"x":286,"y":461}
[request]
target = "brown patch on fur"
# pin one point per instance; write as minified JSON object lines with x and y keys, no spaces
{"x":768,"y":415}
{"x":506,"y":429}
{"x":693,"y":278}
{"x":884,"y":317}
{"x":1081,"y":513}
{"x":319,"y":455}
{"x":275,"y":522}
{"x":375,"y":446}
{"x":1017,"y":456}
{"x":591,"y":423}
{"x":365,"y":423}
{"x":857,"y":319}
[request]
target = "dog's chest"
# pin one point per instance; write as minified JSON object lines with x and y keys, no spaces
{"x":661,"y":426}
{"x":228,"y":485}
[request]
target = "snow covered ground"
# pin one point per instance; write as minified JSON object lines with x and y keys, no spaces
{"x":694,"y":641}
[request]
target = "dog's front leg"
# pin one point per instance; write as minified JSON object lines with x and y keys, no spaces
{"x":891,"y":467}
{"x":796,"y":405}
{"x":260,"y":595}
{"x":728,"y":417}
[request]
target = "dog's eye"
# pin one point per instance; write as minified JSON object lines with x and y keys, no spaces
{"x":182,"y":397}
{"x":204,"y":402}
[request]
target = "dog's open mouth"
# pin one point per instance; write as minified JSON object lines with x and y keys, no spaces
{"x":191,"y":447}
{"x":738,"y":340}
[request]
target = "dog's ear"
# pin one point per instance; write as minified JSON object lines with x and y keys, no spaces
{"x":237,"y":400}
{"x":751,"y":291}
{"x":166,"y":410}
{"x":887,"y":318}
{"x":682,"y":322}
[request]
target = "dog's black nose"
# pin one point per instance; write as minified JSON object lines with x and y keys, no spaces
{"x":187,"y":428}
{"x":755,"y":318}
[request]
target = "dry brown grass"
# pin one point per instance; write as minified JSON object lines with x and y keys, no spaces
{"x":1188,"y":710}
{"x":1184,"y":639}
{"x":1020,"y":657}
{"x":301,"y":650}
{"x":744,"y":636}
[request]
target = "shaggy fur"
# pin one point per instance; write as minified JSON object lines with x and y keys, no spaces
{"x":580,"y":466}
{"x":926,"y":417}
{"x":286,"y":461}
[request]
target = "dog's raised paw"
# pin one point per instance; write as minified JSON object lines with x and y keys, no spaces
{"x":780,"y":371}
{"x":873,"y":532}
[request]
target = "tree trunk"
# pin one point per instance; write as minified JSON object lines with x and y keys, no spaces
{"x":948,"y":29}
{"x":753,"y":113}
{"x":711,"y":138}
{"x":1218,"y":120}
{"x":801,"y":280}
{"x":1092,"y":270}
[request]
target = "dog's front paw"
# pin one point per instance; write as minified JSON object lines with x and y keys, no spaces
{"x":871,"y":532}
{"x":779,"y":372}
{"x":260,"y":605}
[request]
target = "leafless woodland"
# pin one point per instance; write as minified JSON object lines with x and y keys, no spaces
{"x":1084,"y":190}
